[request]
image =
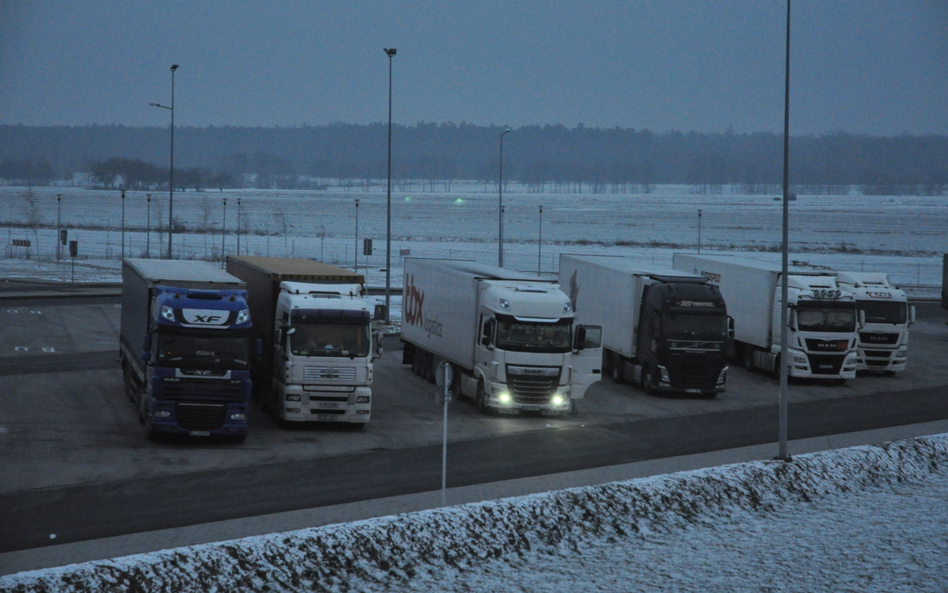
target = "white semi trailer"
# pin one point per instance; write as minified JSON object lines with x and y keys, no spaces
{"x":510,"y":336}
{"x":823,"y":319}
{"x":663,"y":329}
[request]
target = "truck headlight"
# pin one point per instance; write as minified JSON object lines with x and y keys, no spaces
{"x":238,"y":416}
{"x":557,"y":400}
{"x":167,"y":313}
{"x":799,"y":359}
{"x":293,"y":397}
{"x":243,"y":316}
{"x":664,"y":374}
{"x":362,"y":399}
{"x":504,"y":397}
{"x":901,"y":354}
{"x":722,"y":376}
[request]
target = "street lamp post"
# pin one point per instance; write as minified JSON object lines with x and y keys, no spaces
{"x":59,"y":227}
{"x":699,"y":231}
{"x":238,"y":226}
{"x":783,"y":452}
{"x":500,"y":204}
{"x":123,"y":224}
{"x":356,"y":252}
{"x":223,"y":233}
{"x":171,"y":168}
{"x":148,"y":227}
{"x":540,"y":242}
{"x":390,"y":52}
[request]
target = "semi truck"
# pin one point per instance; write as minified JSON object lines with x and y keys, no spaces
{"x":318,"y":339}
{"x":882,"y":343}
{"x":511,"y":337}
{"x":663,"y":329}
{"x":184,"y":347}
{"x":823,"y":319}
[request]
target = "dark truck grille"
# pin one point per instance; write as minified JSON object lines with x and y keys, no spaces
{"x":214,"y":390}
{"x":532,"y":385}
{"x":874,"y":339}
{"x":877,"y":358}
{"x":200,"y":416}
{"x":825,"y":364}
{"x":694,"y":371}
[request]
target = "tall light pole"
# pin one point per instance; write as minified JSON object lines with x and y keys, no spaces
{"x":223,"y":233}
{"x":699,"y":231}
{"x":390,"y":52}
{"x":171,"y":168}
{"x":238,"y":226}
{"x":783,"y":453}
{"x":540,"y":242}
{"x":500,"y":202}
{"x":59,"y":227}
{"x":148,"y":227}
{"x":356,"y":252}
{"x":123,"y":223}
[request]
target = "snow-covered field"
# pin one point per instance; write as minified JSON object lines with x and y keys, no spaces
{"x":871,"y":518}
{"x":901,"y":235}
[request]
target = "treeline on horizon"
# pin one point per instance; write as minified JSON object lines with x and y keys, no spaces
{"x":545,"y":158}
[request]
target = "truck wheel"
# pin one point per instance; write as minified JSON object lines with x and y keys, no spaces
{"x":615,"y":368}
{"x":747,"y":357}
{"x":481,"y":399}
{"x":648,"y":380}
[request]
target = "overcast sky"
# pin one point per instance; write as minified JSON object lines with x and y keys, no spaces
{"x":870,"y":66}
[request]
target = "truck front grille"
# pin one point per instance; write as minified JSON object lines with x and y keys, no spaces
{"x":200,"y":416}
{"x":874,"y":339}
{"x":311,"y":373}
{"x":694,"y":371}
{"x":532,"y":385}
{"x":212,"y":390}
{"x":825,"y":364}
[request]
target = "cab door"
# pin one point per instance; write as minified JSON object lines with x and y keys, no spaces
{"x":587,"y":359}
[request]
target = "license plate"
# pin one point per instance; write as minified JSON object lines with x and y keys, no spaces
{"x":692,"y":391}
{"x":329,"y":417}
{"x":531,"y":408}
{"x":200,"y":433}
{"x":328,"y":405}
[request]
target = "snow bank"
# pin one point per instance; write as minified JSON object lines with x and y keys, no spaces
{"x":388,"y":552}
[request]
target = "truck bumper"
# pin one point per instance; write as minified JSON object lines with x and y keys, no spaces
{"x":301,"y":404}
{"x":879,"y":360}
{"x":197,"y":418}
{"x":503,"y":401}
{"x":801,"y":366}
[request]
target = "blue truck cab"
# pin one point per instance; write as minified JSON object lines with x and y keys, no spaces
{"x":185,"y":347}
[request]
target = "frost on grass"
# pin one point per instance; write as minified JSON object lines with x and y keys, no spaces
{"x":402,"y":551}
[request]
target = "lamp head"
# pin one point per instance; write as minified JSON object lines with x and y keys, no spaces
{"x":390,"y":51}
{"x":174,"y":67}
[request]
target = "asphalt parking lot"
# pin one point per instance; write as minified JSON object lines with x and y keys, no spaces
{"x":65,"y":419}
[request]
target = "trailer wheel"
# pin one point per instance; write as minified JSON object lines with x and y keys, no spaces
{"x":747,"y":357}
{"x":648,"y":380}
{"x":481,"y":399}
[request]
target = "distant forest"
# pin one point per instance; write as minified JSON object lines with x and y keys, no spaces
{"x":431,"y":157}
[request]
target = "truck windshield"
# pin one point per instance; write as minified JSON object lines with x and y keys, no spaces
{"x":688,"y":324}
{"x":524,"y":336}
{"x":214,"y":352}
{"x":826,"y":317}
{"x":882,"y":312}
{"x":330,"y":339}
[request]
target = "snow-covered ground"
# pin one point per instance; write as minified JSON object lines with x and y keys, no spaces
{"x":871,"y":518}
{"x":900,"y":235}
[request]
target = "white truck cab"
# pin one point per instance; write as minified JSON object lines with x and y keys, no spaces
{"x":883,"y":341}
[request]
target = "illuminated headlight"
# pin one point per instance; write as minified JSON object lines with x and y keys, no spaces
{"x":362,"y":399}
{"x":558,"y":400}
{"x":243,"y":316}
{"x":293,"y":397}
{"x":722,"y":377}
{"x":664,"y":374}
{"x":504,"y":397}
{"x":167,"y":313}
{"x":162,"y":414}
{"x":238,"y":416}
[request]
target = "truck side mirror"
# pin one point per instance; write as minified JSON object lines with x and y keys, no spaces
{"x":379,"y":312}
{"x":377,"y":343}
{"x":146,"y":343}
{"x":912,"y":314}
{"x":862,"y":319}
{"x":485,"y":336}
{"x":730,"y":327}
